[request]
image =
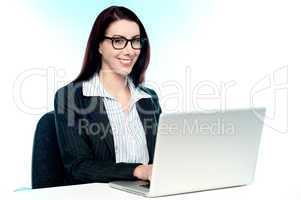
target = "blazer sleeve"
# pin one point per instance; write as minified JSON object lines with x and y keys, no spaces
{"x":77,"y":155}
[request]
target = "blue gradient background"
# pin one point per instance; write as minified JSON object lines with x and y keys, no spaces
{"x":166,"y":21}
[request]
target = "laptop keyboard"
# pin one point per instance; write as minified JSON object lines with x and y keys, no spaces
{"x":146,"y":185}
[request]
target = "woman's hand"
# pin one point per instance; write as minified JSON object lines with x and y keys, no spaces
{"x":143,"y":172}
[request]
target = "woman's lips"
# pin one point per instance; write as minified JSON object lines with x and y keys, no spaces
{"x":125,"y":61}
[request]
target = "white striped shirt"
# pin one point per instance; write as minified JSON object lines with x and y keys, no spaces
{"x":128,"y":133}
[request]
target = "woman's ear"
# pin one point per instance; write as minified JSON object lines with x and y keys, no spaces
{"x":100,"y":48}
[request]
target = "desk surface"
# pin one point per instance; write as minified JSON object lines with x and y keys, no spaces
{"x":104,"y":191}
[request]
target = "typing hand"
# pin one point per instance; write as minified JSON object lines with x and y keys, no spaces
{"x":143,"y":172}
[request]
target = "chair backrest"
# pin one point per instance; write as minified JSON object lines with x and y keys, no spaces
{"x":47,"y":167}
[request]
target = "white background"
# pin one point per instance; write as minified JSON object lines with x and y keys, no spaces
{"x":243,"y":54}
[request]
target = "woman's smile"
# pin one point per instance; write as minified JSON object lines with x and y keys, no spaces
{"x":125,"y":61}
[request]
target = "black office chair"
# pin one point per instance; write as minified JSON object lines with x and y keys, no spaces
{"x":47,"y":167}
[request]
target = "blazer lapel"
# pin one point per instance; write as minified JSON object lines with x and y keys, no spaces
{"x":99,"y":116}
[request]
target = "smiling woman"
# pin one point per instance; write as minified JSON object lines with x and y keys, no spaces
{"x":106,"y":121}
{"x":116,"y":24}
{"x":117,"y":55}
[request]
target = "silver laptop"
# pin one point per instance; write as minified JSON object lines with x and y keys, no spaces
{"x":202,"y":151}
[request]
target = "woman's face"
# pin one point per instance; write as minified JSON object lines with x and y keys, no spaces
{"x":119,"y":61}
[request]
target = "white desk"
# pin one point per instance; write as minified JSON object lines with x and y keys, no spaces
{"x":102,"y":191}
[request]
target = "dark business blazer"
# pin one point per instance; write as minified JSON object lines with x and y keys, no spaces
{"x":85,"y":136}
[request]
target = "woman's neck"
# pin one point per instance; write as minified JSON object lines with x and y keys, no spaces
{"x":113,"y":83}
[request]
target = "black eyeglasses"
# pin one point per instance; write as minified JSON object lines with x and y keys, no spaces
{"x":120,"y":42}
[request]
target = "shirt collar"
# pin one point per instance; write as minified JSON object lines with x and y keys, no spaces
{"x":93,"y":87}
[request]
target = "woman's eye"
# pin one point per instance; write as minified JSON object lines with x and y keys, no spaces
{"x":137,"y":40}
{"x":118,"y":40}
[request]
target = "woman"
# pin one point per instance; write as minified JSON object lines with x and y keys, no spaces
{"x":106,"y":120}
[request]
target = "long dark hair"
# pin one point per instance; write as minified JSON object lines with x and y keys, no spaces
{"x":92,"y":59}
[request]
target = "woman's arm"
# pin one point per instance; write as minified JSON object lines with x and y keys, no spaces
{"x":77,"y":156}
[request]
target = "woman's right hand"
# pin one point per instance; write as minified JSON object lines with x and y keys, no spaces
{"x":143,"y":172}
